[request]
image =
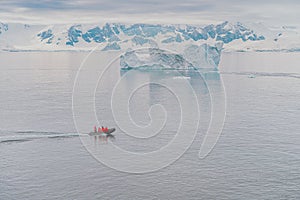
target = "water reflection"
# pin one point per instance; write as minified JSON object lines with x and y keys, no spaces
{"x":208,"y":87}
{"x":102,"y":139}
{"x":157,"y":114}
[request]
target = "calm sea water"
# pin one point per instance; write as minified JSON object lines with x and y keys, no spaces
{"x":42,"y":156}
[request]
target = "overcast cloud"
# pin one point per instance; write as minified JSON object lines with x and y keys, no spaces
{"x":274,"y":12}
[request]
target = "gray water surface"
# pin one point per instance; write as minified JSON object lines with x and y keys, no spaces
{"x":256,"y":157}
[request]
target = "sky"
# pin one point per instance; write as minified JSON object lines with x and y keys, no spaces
{"x":272,"y":12}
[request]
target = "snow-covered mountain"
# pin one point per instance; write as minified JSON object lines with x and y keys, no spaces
{"x":3,"y":27}
{"x":141,"y":34}
{"x":115,"y":36}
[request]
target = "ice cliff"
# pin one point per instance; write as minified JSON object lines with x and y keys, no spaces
{"x":194,"y":57}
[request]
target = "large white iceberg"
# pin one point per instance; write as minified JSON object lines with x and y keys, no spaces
{"x":194,"y":57}
{"x":153,"y":58}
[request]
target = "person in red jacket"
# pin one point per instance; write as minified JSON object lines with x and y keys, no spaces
{"x":99,"y":130}
{"x":105,"y":129}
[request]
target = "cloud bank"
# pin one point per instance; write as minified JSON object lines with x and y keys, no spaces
{"x":155,"y":11}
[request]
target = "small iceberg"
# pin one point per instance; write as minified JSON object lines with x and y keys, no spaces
{"x":182,"y":77}
{"x":251,"y":76}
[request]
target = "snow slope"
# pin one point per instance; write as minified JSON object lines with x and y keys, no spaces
{"x":114,"y":36}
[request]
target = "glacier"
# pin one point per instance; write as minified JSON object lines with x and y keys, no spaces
{"x":117,"y":36}
{"x":225,"y":32}
{"x":150,"y":34}
{"x":3,"y":27}
{"x":46,"y":35}
{"x":111,"y":46}
{"x":204,"y":56}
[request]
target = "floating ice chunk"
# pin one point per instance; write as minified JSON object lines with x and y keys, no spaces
{"x":154,"y":59}
{"x":251,"y":76}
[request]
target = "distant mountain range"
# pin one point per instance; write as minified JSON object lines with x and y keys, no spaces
{"x":116,"y":36}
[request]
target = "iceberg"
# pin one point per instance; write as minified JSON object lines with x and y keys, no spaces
{"x":194,"y":57}
{"x":153,"y":59}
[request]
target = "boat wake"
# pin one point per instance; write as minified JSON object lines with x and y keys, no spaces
{"x":257,"y":74}
{"x":24,"y":136}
